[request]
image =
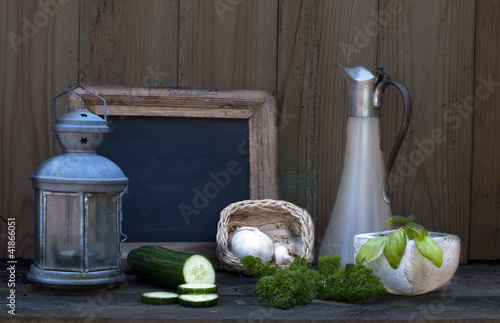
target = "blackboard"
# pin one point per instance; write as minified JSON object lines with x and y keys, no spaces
{"x":173,"y":144}
{"x":182,"y":173}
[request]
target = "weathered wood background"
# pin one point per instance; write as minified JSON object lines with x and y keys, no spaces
{"x":445,"y":51}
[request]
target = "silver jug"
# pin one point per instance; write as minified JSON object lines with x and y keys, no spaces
{"x":362,"y":204}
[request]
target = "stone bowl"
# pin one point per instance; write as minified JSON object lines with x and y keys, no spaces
{"x":416,"y":274}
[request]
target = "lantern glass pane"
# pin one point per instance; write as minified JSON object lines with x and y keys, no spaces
{"x":103,"y":246}
{"x":38,"y":208}
{"x":63,"y":238}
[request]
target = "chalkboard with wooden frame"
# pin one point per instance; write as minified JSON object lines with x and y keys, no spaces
{"x":228,"y":135}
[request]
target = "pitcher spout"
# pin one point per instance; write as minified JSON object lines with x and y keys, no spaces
{"x":361,"y":86}
{"x":356,"y":73}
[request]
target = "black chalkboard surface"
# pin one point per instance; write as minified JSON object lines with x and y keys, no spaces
{"x":182,"y":172}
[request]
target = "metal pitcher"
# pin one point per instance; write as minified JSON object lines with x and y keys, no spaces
{"x":362,"y":204}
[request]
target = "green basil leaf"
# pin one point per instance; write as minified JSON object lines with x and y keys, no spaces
{"x":396,"y":219}
{"x":395,"y":248}
{"x":415,"y":230}
{"x":430,"y":250}
{"x":412,"y":235}
{"x":371,"y":250}
{"x":399,"y":219}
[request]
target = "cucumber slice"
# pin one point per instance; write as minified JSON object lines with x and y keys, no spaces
{"x":202,"y":300}
{"x":197,"y":288}
{"x":160,"y":298}
{"x":198,"y":269}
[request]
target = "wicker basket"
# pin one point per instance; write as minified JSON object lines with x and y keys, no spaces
{"x":278,"y":219}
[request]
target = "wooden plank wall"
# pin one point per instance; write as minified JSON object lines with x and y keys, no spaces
{"x":484,"y":110}
{"x":38,"y":58}
{"x":429,"y":46}
{"x":445,"y":51}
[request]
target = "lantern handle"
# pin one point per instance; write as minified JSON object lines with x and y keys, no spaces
{"x":82,"y":87}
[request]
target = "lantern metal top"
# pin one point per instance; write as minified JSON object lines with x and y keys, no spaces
{"x":71,"y":89}
{"x":80,"y":130}
{"x":79,"y":168}
{"x":80,"y":121}
{"x":79,"y":173}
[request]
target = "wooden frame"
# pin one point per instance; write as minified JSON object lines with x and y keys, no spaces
{"x":258,"y":107}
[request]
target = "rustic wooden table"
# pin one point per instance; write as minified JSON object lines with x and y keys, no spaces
{"x":472,"y":296}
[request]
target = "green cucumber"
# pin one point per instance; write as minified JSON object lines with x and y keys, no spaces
{"x":170,"y":268}
{"x":201,"y":300}
{"x":197,"y":288}
{"x":160,"y":298}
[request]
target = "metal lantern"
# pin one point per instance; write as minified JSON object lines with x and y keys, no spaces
{"x":78,"y":209}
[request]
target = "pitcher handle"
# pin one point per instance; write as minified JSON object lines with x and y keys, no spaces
{"x":405,"y":123}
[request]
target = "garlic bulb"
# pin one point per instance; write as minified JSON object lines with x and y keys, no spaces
{"x":281,"y":254}
{"x":295,"y":245}
{"x":250,"y":241}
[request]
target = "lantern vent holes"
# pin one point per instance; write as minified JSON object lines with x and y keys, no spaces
{"x":83,"y":115}
{"x":84,"y":140}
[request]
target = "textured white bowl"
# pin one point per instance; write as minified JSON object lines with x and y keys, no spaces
{"x":416,"y":274}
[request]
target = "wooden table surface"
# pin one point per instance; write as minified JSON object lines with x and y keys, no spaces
{"x":472,"y":296}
